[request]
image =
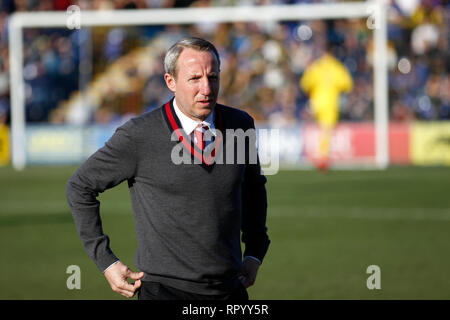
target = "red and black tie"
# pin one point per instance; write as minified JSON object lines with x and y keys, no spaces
{"x":199,"y":132}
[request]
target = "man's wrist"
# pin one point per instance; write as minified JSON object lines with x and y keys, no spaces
{"x":115,"y":262}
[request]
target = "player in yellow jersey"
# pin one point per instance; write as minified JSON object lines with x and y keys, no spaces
{"x":4,"y":138}
{"x":324,"y":81}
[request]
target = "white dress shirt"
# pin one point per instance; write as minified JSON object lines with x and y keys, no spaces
{"x":189,"y":124}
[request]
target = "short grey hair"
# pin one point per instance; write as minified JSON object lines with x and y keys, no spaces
{"x":171,"y":58}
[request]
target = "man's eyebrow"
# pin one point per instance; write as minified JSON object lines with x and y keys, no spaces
{"x":212,"y":73}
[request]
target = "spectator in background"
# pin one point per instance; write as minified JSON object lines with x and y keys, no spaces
{"x":324,"y":81}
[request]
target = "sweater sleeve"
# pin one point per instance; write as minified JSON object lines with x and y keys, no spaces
{"x":106,"y":168}
{"x":254,"y":210}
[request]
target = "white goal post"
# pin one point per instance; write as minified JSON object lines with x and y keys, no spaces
{"x":374,"y":11}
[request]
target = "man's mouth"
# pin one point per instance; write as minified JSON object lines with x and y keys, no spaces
{"x":204,"y":102}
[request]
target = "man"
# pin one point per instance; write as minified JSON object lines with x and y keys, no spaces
{"x":188,"y":217}
{"x":324,"y":80}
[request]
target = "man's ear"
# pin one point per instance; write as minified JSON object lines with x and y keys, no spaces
{"x":170,"y":82}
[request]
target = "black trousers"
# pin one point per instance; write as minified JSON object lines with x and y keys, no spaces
{"x":156,"y":291}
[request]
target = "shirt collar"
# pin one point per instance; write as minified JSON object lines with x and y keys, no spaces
{"x":189,"y":124}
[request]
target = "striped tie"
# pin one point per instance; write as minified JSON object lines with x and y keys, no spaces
{"x":199,"y":132}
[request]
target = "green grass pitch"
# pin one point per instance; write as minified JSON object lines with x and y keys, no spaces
{"x":325,"y":231}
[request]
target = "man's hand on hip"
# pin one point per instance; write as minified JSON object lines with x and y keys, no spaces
{"x":248,"y":272}
{"x":117,"y":276}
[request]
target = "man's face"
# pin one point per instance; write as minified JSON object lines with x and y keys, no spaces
{"x":197,"y":82}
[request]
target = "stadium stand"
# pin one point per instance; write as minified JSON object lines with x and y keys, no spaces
{"x":261,"y":63}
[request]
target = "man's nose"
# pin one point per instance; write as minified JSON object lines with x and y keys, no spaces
{"x":205,"y":87}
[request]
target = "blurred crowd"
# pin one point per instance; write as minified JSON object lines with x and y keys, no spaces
{"x":108,"y":74}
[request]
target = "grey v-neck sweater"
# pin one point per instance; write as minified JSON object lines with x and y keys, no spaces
{"x":188,"y":217}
